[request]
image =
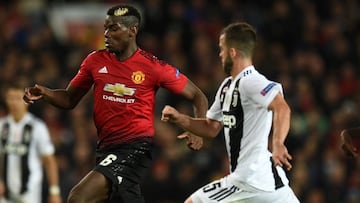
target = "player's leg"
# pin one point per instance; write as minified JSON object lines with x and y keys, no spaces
{"x":281,"y":195}
{"x":94,"y":187}
{"x":124,"y":167}
{"x":127,"y":192}
{"x":219,"y":191}
{"x":188,"y":200}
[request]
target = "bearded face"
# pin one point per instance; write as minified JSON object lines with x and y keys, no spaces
{"x":228,"y":64}
{"x":224,"y":55}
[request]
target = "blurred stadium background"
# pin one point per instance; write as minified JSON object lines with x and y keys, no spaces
{"x":311,"y":46}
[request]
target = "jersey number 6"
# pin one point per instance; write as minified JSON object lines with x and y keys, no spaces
{"x":108,"y":160}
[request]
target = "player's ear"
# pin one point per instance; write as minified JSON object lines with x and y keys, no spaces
{"x":232,"y":52}
{"x":133,"y":31}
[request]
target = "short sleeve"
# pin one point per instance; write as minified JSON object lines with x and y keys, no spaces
{"x":215,"y":111}
{"x":259,"y":89}
{"x":172,"y":79}
{"x":83,"y":78}
{"x":44,"y":144}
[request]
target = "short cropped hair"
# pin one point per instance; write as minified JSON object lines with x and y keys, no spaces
{"x":241,"y":36}
{"x":16,"y":84}
{"x":19,"y":82}
{"x":132,"y":15}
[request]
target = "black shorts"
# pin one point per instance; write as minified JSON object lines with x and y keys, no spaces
{"x":124,"y":166}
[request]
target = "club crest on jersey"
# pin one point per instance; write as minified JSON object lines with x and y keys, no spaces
{"x":138,"y":77}
{"x":235,"y":97}
{"x":119,"y":89}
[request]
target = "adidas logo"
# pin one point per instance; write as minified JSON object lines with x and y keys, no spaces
{"x":120,"y":179}
{"x":103,"y":70}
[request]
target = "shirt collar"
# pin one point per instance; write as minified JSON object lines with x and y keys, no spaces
{"x":245,"y":72}
{"x":27,"y":118}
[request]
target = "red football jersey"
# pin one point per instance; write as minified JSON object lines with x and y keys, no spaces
{"x":124,"y":92}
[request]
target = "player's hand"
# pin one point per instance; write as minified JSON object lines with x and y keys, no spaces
{"x":193,"y":142}
{"x":281,"y":156}
{"x":347,"y":146}
{"x":33,"y":94}
{"x":169,"y":114}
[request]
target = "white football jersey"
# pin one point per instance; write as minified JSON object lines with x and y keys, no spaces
{"x":22,"y":144}
{"x":241,"y":104}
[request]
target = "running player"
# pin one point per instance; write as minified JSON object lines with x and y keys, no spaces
{"x":247,"y":105}
{"x":125,"y":79}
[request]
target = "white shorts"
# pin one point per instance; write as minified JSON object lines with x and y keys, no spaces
{"x":222,"y":191}
{"x":32,"y":197}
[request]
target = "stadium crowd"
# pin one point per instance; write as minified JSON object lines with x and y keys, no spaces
{"x":311,"y":46}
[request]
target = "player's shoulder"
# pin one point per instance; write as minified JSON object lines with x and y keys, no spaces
{"x":35,"y":121}
{"x":150,"y":58}
{"x":102,"y":53}
{"x":250,"y":73}
{"x":251,"y":76}
{"x":3,"y":121}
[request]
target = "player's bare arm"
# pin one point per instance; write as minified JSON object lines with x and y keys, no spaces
{"x":203,"y":127}
{"x":200,"y":105}
{"x":281,"y":126}
{"x":63,"y":98}
{"x":199,"y":100}
{"x":51,"y":171}
{"x":346,"y":141}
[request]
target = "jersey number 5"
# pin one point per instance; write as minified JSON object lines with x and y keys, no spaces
{"x":211,"y":187}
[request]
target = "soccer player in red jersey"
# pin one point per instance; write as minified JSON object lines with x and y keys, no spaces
{"x":125,"y":79}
